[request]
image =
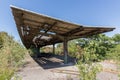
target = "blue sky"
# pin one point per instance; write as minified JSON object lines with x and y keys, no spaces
{"x":104,"y":13}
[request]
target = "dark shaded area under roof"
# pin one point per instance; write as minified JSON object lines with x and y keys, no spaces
{"x":41,"y":30}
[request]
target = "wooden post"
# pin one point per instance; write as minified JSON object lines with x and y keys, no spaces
{"x":65,"y":46}
{"x":53,"y":48}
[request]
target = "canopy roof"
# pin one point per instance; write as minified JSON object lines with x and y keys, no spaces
{"x":42,"y":30}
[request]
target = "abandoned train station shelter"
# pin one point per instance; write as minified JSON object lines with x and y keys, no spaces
{"x":40,"y":30}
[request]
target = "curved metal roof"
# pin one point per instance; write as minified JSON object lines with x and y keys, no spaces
{"x":41,"y":30}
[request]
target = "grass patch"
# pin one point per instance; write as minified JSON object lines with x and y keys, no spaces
{"x":11,"y":56}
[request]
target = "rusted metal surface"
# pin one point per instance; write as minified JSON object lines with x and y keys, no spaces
{"x":34,"y":28}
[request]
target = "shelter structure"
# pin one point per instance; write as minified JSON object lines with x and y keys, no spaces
{"x":41,"y":30}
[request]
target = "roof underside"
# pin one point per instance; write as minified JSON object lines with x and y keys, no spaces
{"x":41,"y":30}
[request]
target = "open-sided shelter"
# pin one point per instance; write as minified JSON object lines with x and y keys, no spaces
{"x":41,"y":30}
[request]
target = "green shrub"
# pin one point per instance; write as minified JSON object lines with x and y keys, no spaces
{"x":11,"y":55}
{"x":88,"y":71}
{"x":115,"y":54}
{"x":96,"y":46}
{"x":6,"y":73}
{"x":87,"y":68}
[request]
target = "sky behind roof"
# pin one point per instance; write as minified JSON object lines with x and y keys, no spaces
{"x":105,"y":13}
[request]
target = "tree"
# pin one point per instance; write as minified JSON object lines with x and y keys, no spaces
{"x":116,"y":38}
{"x":96,"y":47}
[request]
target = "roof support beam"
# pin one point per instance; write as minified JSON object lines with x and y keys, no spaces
{"x":20,"y":24}
{"x":29,"y":21}
{"x":48,"y":29}
{"x":74,"y":31}
{"x":93,"y":32}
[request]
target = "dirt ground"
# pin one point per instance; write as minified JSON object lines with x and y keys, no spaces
{"x":52,"y":68}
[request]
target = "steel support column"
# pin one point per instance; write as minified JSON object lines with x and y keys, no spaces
{"x":38,"y":52}
{"x":53,"y":48}
{"x":65,"y":46}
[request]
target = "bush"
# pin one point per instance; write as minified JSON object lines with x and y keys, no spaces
{"x":97,"y":46}
{"x":88,"y":71}
{"x":115,"y":54}
{"x":87,"y":68}
{"x":11,"y":56}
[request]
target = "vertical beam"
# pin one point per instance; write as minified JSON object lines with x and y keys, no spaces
{"x":53,"y":48}
{"x":65,"y":48}
{"x":37,"y":52}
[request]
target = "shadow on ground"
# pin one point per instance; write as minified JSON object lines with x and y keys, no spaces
{"x":49,"y":60}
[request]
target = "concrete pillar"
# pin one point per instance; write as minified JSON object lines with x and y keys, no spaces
{"x":65,"y":48}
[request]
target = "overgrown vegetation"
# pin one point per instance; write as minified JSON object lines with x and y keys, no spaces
{"x":11,"y":55}
{"x":88,"y":51}
{"x":91,"y":50}
{"x":88,"y":71}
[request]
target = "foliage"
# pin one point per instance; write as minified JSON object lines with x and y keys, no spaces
{"x":88,"y":71}
{"x":116,"y":38}
{"x":32,"y":51}
{"x":47,"y":49}
{"x":59,"y":49}
{"x":115,"y":54}
{"x":6,"y":74}
{"x":74,"y":49}
{"x":91,"y":49}
{"x":96,"y":46}
{"x":11,"y":56}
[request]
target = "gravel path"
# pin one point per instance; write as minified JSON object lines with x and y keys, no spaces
{"x":33,"y":71}
{"x":108,"y":75}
